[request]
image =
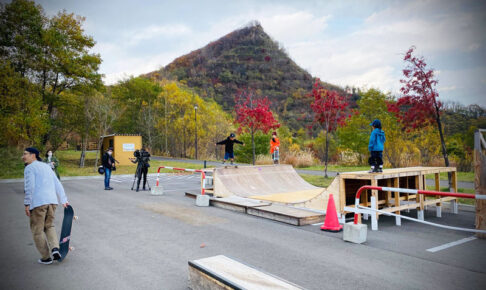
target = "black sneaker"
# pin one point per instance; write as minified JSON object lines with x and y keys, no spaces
{"x":380,"y":170}
{"x":55,"y":254}
{"x":45,"y":261}
{"x":107,"y":188}
{"x":110,"y":188}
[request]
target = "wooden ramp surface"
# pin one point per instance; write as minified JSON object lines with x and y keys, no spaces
{"x":221,"y":272}
{"x":276,"y":184}
{"x":248,"y":181}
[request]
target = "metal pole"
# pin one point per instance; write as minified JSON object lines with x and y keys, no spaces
{"x":195,"y":120}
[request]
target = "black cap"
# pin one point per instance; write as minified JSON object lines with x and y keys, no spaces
{"x":33,"y":150}
{"x":232,"y":135}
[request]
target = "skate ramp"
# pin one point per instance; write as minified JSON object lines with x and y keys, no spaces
{"x":278,"y":184}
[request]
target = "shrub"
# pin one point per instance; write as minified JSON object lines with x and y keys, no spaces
{"x":300,"y":158}
{"x":263,"y":160}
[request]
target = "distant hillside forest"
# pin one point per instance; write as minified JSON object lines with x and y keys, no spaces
{"x":52,"y":94}
{"x":246,"y":59}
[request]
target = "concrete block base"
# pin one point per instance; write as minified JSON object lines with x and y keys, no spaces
{"x":157,"y":190}
{"x":455,"y":207}
{"x":355,"y":233}
{"x":398,"y":221}
{"x":202,"y":200}
{"x":420,"y":215}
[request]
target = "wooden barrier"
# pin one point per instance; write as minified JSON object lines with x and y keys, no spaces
{"x":221,"y":272}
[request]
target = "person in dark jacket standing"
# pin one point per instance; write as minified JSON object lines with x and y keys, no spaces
{"x":142,"y":157}
{"x":376,"y":146}
{"x":108,"y":163}
{"x":228,"y":147}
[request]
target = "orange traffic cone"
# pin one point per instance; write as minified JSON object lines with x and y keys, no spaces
{"x":331,"y":223}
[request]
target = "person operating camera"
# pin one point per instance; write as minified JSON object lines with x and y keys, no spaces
{"x":142,"y":157}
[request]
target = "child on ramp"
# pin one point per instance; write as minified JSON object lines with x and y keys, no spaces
{"x":376,"y":146}
{"x":274,"y":148}
{"x":228,"y":147}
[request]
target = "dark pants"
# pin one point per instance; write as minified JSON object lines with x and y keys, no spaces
{"x":376,"y":158}
{"x":107,"y":177}
{"x":143,"y":171}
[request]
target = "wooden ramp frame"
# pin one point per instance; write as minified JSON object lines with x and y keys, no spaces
{"x":282,"y":185}
{"x":267,"y":210}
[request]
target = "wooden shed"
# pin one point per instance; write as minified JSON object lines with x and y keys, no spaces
{"x":123,"y":146}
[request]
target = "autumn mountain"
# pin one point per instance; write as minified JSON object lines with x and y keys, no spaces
{"x":245,"y":58}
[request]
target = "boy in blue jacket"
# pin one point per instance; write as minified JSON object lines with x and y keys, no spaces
{"x":376,"y":145}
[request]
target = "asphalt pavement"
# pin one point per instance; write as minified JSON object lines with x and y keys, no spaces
{"x":133,"y":240}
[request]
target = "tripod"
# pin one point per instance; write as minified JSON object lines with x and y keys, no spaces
{"x":138,"y":173}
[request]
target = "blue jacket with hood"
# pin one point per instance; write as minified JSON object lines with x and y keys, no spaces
{"x":377,"y":138}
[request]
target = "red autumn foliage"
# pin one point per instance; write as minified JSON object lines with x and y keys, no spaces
{"x":254,"y":114}
{"x":418,"y":107}
{"x":329,"y":107}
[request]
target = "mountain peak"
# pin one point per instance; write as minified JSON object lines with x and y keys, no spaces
{"x":246,"y":58}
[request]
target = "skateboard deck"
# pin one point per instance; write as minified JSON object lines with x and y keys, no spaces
{"x":67,"y":223}
{"x":231,"y":165}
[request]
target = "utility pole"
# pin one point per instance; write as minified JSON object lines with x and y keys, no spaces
{"x":195,"y":121}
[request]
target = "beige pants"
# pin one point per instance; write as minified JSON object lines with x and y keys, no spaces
{"x":42,"y":226}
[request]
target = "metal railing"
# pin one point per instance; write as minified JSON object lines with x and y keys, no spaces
{"x":412,"y":191}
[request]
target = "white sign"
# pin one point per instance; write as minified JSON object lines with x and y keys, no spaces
{"x":128,"y":147}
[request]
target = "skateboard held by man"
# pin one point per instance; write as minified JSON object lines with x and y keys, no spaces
{"x":67,"y":224}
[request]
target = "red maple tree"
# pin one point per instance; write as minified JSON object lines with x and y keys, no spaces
{"x":254,"y":114}
{"x":329,"y":111}
{"x":419,"y":107}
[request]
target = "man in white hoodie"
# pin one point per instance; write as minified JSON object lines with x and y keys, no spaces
{"x":42,"y":190}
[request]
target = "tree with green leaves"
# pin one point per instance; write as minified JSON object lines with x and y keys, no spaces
{"x":373,"y":104}
{"x":51,"y":53}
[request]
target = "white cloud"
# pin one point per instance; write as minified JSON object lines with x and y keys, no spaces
{"x":447,"y":89}
{"x":368,"y":53}
{"x":153,"y":31}
{"x":294,"y":26}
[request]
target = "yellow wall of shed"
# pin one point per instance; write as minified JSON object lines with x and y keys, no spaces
{"x":119,"y":153}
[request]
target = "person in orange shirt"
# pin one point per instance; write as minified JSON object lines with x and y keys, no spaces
{"x":274,"y":145}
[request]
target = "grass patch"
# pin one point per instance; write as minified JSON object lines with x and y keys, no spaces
{"x":69,"y":164}
{"x":336,"y":168}
{"x":13,"y":164}
{"x":317,"y":180}
{"x":461,"y":176}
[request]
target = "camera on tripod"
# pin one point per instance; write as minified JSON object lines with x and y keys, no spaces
{"x":142,"y":159}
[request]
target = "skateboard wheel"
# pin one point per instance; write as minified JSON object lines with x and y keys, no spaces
{"x":71,"y":248}
{"x":75,"y":218}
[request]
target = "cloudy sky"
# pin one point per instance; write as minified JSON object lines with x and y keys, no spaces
{"x":354,"y":43}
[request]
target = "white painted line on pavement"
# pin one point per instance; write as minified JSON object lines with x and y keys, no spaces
{"x":318,"y":224}
{"x":452,"y":244}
